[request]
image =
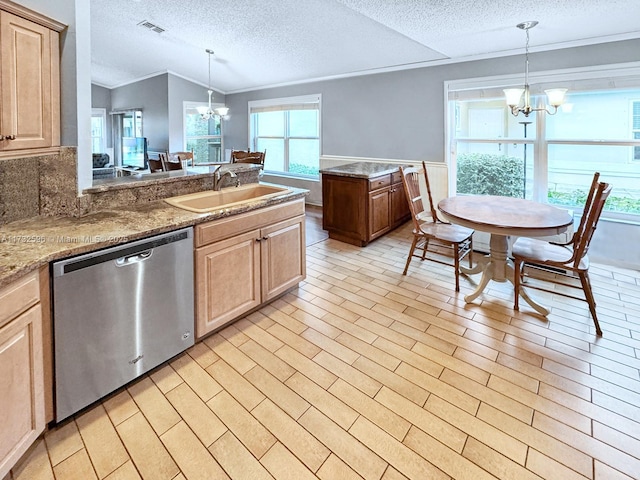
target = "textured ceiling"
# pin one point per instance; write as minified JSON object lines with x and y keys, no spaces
{"x":272,"y":42}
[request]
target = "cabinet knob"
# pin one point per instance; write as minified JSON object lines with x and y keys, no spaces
{"x":9,"y":137}
{"x":258,"y":239}
{"x":265,"y":238}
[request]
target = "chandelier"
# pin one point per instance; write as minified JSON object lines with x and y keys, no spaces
{"x":208,"y":112}
{"x":519,"y":99}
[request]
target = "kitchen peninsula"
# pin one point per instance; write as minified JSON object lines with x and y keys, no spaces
{"x":362,"y":201}
{"x":28,"y":246}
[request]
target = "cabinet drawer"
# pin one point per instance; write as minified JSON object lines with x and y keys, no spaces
{"x":228,"y":227}
{"x":396,"y":177}
{"x":19,"y":296}
{"x":379,"y":182}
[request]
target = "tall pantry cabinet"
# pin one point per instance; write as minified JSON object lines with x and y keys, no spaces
{"x":29,"y":80}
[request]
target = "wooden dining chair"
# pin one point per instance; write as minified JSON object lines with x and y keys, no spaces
{"x":239,"y":156}
{"x":164,"y":158}
{"x":182,"y":156}
{"x":430,"y":234}
{"x":155,"y":165}
{"x":173,"y":165}
{"x":170,"y":161}
{"x":563,"y":261}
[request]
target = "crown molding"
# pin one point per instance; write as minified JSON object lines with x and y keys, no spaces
{"x":32,"y":15}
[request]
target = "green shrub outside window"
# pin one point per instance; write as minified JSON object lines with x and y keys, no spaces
{"x":490,"y":174}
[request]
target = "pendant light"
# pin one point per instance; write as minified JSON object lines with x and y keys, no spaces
{"x":207,"y":112}
{"x":519,"y":99}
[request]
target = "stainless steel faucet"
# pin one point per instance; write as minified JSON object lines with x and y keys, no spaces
{"x":217,"y":178}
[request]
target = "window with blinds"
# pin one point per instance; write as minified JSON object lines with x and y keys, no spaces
{"x":288,"y":130}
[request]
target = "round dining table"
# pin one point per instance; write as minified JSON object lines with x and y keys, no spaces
{"x":503,"y":217}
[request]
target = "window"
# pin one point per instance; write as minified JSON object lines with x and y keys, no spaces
{"x":98,"y":130}
{"x":550,"y":158}
{"x":126,"y":123}
{"x":203,"y":137}
{"x":288,"y":129}
{"x":635,"y":132}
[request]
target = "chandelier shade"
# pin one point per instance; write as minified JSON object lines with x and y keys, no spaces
{"x":519,"y":99}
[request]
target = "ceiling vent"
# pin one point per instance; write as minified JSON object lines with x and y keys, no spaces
{"x":151,"y":26}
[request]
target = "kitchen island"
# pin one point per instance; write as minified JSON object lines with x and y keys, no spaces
{"x":362,"y":201}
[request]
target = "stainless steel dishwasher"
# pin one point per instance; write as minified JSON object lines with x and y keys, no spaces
{"x":118,"y":313}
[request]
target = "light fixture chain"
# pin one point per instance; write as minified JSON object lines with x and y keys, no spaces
{"x":209,"y":84}
{"x":526,"y":60}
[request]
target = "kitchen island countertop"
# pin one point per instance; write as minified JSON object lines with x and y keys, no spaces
{"x":363,"y":169}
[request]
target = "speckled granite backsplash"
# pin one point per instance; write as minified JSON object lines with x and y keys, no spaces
{"x":19,"y":188}
{"x":127,"y":191}
{"x":58,"y":184}
{"x":39,"y":185}
{"x":46,"y":185}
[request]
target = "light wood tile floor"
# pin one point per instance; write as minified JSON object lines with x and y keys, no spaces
{"x":364,"y":373}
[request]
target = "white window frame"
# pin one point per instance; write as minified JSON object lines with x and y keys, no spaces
{"x":188,"y":105}
{"x":634,"y":130}
{"x":100,"y":112}
{"x":283,"y":102}
{"x":626,"y":75}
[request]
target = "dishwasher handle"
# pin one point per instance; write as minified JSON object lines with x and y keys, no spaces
{"x":125,"y":251}
{"x":133,"y":259}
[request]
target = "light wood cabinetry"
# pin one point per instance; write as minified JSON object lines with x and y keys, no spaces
{"x":359,"y":210}
{"x":30,"y":81}
{"x":22,"y":367}
{"x":245,"y":261}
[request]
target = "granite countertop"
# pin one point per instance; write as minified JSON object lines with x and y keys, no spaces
{"x":28,"y":244}
{"x":363,"y":169}
{"x":128,"y":181}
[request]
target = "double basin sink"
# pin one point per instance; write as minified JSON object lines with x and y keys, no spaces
{"x":210,"y":200}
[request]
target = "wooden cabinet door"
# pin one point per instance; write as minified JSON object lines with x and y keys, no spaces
{"x":399,"y":205}
{"x":25,"y":74}
{"x":22,"y":389}
{"x":227,"y":280}
{"x":379,"y":212}
{"x":283,"y":256}
{"x":344,"y":208}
